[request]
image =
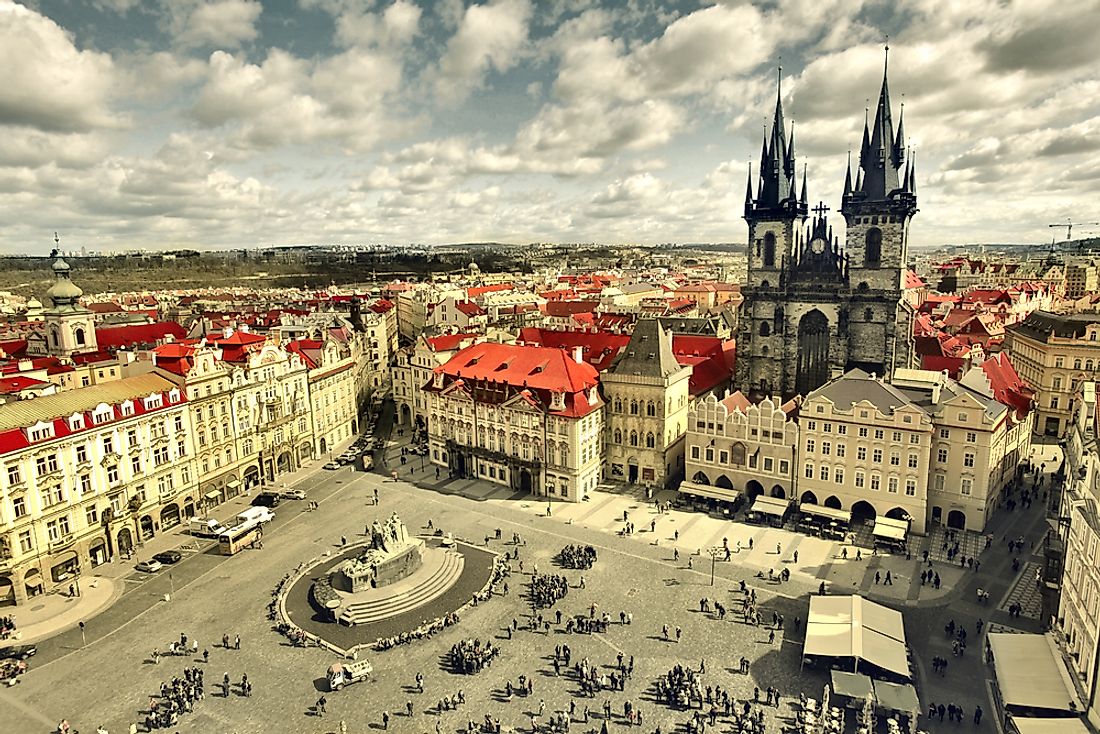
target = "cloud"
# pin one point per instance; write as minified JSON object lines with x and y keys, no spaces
{"x":50,"y":84}
{"x":397,"y":25}
{"x":217,"y":23}
{"x":1052,"y":40}
{"x":489,"y":37}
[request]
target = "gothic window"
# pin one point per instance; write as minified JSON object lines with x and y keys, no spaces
{"x":650,"y":440}
{"x":766,"y":284}
{"x":618,"y":405}
{"x":868,"y":315}
{"x":633,"y":438}
{"x":872,"y":248}
{"x":737,"y":454}
{"x":778,"y":319}
{"x":651,"y":409}
{"x":769,"y":250}
{"x":765,"y":330}
{"x":634,"y":407}
{"x":764,"y":352}
{"x":80,"y":337}
{"x":618,"y":436}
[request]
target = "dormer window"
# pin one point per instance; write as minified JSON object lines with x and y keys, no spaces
{"x":557,"y":400}
{"x":40,"y":432}
{"x":102,"y":414}
{"x":174,"y":396}
{"x":153,"y":402}
{"x":127,"y":408}
{"x":76,"y":422}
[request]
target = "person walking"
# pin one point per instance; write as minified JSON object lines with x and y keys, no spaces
{"x":237,"y":642}
{"x":385,"y":719}
{"x":321,"y":702}
{"x":978,"y":716}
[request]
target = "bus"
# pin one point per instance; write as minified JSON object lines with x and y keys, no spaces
{"x":240,"y":537}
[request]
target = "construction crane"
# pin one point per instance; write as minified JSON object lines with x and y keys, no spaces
{"x":1069,"y":225}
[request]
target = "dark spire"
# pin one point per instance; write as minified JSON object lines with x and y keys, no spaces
{"x":848,"y":175}
{"x":803,"y":197}
{"x":881,"y":163}
{"x":905,"y":181}
{"x":899,"y":139}
{"x":912,"y":174}
{"x":748,"y":191}
{"x":865,"y":146}
{"x":778,"y":171}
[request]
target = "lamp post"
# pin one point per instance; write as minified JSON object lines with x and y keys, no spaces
{"x":714,"y":551}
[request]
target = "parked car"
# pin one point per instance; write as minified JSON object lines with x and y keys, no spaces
{"x":150,"y":566}
{"x":332,"y":465}
{"x":294,"y":494}
{"x":168,"y":557}
{"x":17,"y":652}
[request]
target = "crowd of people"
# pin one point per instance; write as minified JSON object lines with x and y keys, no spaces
{"x":547,"y":589}
{"x":472,"y":656}
{"x":177,"y":697}
{"x":7,"y":626}
{"x":577,"y":556}
{"x":679,"y":688}
{"x":423,"y":632}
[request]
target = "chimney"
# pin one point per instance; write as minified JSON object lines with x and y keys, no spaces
{"x":578,"y":354}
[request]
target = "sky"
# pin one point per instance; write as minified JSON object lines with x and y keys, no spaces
{"x":240,"y":123}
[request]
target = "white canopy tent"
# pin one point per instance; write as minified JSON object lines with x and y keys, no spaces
{"x":1030,"y":673}
{"x":853,"y":627}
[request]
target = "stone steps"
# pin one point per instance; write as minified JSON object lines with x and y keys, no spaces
{"x":432,"y":586}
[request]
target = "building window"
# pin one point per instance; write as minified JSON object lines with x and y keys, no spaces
{"x":827,"y":427}
{"x":809,"y":446}
{"x":840,"y":451}
{"x":838,"y":475}
{"x":91,"y":515}
{"x":962,"y":418}
{"x":895,"y":459}
{"x":879,"y":434}
{"x":914,"y":438}
{"x":618,"y":436}
{"x":809,"y":471}
{"x":971,"y":437}
{"x":842,"y":429}
{"x":811,"y":425}
{"x":650,"y":441}
{"x":651,"y":409}
{"x":897,"y":436}
{"x":108,"y":445}
{"x":912,"y":460}
{"x":875,"y":482}
{"x":910,"y":487}
{"x":941,"y":456}
{"x":695,"y":452}
{"x":112,"y":475}
{"x":634,"y":439}
{"x":945,"y":433}
{"x":784,"y":466}
{"x":823,"y":473}
{"x":634,"y":407}
{"x":859,"y":479}
{"x":861,"y":453}
{"x":710,"y":455}
{"x":892,"y":485}
{"x":14,"y":475}
{"x":769,"y":464}
{"x":19,"y":506}
{"x":723,"y":457}
{"x":81,"y":454}
{"x":938,"y":482}
{"x":135,"y":464}
{"x":872,"y":248}
{"x":966,"y":486}
{"x":26,"y":542}
{"x":968,"y":459}
{"x":85,"y":483}
{"x":862,"y":432}
{"x":876,"y":456}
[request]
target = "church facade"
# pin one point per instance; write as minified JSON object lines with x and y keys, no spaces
{"x":814,"y":307}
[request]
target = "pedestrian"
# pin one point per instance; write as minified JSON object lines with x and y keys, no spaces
{"x":878,"y":577}
{"x":889,"y":581}
{"x":771,"y":637}
{"x":977,"y":716}
{"x":796,"y":556}
{"x":778,"y":549}
{"x":385,"y":719}
{"x":321,"y":707}
{"x":409,"y":708}
{"x":237,"y":642}
{"x":679,"y":633}
{"x":206,"y":655}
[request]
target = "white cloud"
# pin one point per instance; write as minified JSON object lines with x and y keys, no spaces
{"x":397,"y":25}
{"x":49,"y":84}
{"x":489,"y":37}
{"x":213,"y":23}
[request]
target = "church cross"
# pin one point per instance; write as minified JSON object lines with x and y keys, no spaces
{"x":820,"y":209}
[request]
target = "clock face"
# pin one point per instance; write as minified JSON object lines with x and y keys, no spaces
{"x":817,"y":245}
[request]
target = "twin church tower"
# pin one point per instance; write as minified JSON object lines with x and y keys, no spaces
{"x":815,"y":308}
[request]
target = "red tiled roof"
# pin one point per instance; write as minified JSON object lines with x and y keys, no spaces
{"x":14,"y":348}
{"x":137,"y":335}
{"x":913,"y":281}
{"x":18,"y":383}
{"x":175,"y":357}
{"x":308,"y":349}
{"x":382,"y":305}
{"x":533,"y":371}
{"x":483,"y":289}
{"x":987,"y":295}
{"x":710,"y":358}
{"x":105,"y":307}
{"x":599,"y":348}
{"x":1008,"y":387}
{"x":569,"y":308}
{"x":447,"y":342}
{"x":469,"y":308}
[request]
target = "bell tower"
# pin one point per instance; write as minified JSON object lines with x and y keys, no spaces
{"x":70,"y":328}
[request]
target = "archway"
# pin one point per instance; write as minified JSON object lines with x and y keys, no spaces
{"x":251,"y":476}
{"x":282,"y":464}
{"x":460,"y":465}
{"x":813,"y":352}
{"x":32,"y":583}
{"x":305,"y":453}
{"x":525,"y":481}
{"x":956,"y":519}
{"x":897,"y":513}
{"x":779,"y":493}
{"x":701,"y":478}
{"x":863,"y":510}
{"x":808,"y":498}
{"x":753,"y":489}
{"x":632,"y":472}
{"x":170,"y":516}
{"x":724,"y":482}
{"x":125,"y":542}
{"x":406,"y":414}
{"x":7,"y":591}
{"x":324,"y":446}
{"x":98,"y":552}
{"x":833,"y":501}
{"x":188,"y":508}
{"x":147,"y":530}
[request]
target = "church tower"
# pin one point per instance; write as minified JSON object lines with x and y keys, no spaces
{"x":70,"y":328}
{"x":877,"y":210}
{"x":773,"y":216}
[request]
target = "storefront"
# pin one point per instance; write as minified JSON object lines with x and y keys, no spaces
{"x":771,"y":510}
{"x":711,"y":499}
{"x":826,"y":522}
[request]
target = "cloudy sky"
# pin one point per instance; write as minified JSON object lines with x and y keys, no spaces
{"x":212,"y":123}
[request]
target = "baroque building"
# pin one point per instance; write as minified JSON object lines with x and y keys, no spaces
{"x":814,"y":308}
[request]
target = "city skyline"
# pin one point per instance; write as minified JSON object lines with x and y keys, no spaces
{"x":236,"y":123}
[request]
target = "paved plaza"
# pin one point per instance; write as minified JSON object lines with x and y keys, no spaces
{"x":659,"y":574}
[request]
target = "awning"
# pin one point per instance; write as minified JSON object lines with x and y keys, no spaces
{"x":212,"y":494}
{"x":770,"y":505}
{"x":826,"y":512}
{"x":890,"y":529}
{"x":233,"y":483}
{"x":893,"y":697}
{"x":851,"y":685}
{"x":853,"y":627}
{"x":1030,"y":672}
{"x":706,"y":490}
{"x":1036,"y":725}
{"x":33,"y":581}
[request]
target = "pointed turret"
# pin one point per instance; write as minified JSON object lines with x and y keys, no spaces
{"x":899,"y":139}
{"x":778,"y":171}
{"x":880,"y":163}
{"x":865,"y":146}
{"x":748,"y":191}
{"x":848,"y":176}
{"x":803,"y":199}
{"x":912,"y":174}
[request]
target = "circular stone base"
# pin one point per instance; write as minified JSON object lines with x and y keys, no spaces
{"x":439,"y":570}
{"x":477,"y":570}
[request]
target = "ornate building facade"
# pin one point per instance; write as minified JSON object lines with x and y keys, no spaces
{"x":815,"y":308}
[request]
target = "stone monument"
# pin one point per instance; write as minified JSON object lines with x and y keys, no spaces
{"x":390,"y":556}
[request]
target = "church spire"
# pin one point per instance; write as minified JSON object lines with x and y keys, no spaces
{"x":899,"y":139}
{"x":778,"y":173}
{"x":803,"y":199}
{"x":880,"y":159}
{"x":848,"y":175}
{"x":748,"y":191}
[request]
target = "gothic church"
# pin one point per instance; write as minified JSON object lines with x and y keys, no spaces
{"x":815,"y":308}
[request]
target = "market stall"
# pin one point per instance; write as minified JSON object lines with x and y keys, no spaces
{"x":853,"y":632}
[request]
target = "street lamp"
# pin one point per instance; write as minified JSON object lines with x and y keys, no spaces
{"x":714,"y":552}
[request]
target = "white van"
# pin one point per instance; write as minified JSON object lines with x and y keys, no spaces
{"x":259,"y":514}
{"x":205,"y":527}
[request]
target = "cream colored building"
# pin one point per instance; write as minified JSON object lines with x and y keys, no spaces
{"x":648,"y":399}
{"x":1078,"y":621}
{"x":1055,"y":353}
{"x":738,"y":449}
{"x":413,"y":371}
{"x":333,"y":399}
{"x":1082,"y":279}
{"x":529,"y":418}
{"x":90,"y":474}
